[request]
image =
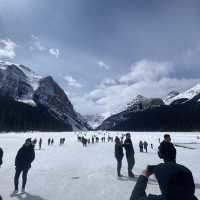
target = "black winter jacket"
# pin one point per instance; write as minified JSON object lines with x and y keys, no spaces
{"x":139,"y":191}
{"x":128,"y":147}
{"x":167,"y":151}
{"x":25,"y":157}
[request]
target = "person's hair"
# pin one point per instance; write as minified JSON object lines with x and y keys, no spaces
{"x":117,"y":140}
{"x":128,"y":134}
{"x":166,"y":136}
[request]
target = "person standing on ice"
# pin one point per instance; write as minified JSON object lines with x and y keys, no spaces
{"x":49,"y":141}
{"x":118,"y":155}
{"x":129,"y":154}
{"x":145,"y":146}
{"x":1,"y":156}
{"x":40,"y":143}
{"x":23,"y":160}
{"x":166,"y":150}
{"x":141,"y":146}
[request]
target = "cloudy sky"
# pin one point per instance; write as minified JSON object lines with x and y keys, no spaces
{"x":105,"y":52}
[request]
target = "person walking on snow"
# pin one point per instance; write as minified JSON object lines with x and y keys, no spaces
{"x":118,"y":155}
{"x":23,"y":160}
{"x":129,"y":154}
{"x":145,"y":146}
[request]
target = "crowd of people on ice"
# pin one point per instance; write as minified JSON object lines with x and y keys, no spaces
{"x":175,"y":181}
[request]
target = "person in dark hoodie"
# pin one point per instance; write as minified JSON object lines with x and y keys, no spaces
{"x":129,"y":154}
{"x":1,"y":156}
{"x":118,"y":155}
{"x":166,"y":150}
{"x":175,"y":182}
{"x":23,"y":160}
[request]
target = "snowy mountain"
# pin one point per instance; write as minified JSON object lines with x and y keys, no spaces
{"x":184,"y":96}
{"x":167,"y":99}
{"x":23,"y":85}
{"x":95,"y":120}
{"x":138,"y":104}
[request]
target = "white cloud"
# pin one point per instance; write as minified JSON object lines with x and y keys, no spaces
{"x":54,"y":52}
{"x":37,"y":45}
{"x":72,"y":82}
{"x":151,"y":79}
{"x":147,"y":70}
{"x":107,"y":82}
{"x":103,"y":65}
{"x":7,"y":49}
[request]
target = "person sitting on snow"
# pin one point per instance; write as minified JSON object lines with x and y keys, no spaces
{"x":175,"y":182}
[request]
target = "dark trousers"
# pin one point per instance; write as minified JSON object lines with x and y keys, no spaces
{"x":24,"y":177}
{"x":119,"y":166}
{"x":131,"y":163}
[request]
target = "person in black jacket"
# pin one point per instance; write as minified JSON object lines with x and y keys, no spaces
{"x":146,"y":146}
{"x":1,"y":156}
{"x":175,"y":182}
{"x":166,"y":150}
{"x":129,"y":154}
{"x":23,"y":160}
{"x":118,"y":155}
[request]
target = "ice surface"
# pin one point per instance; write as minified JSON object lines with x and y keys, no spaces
{"x":71,"y":172}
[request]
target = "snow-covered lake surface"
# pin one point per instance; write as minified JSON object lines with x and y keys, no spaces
{"x":71,"y":172}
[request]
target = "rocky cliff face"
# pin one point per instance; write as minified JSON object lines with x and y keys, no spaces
{"x":21,"y":84}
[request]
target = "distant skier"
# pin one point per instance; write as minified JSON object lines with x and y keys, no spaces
{"x":23,"y":160}
{"x":118,"y":155}
{"x":52,"y":141}
{"x":40,"y":143}
{"x":1,"y":156}
{"x":166,"y":150}
{"x":145,"y":146}
{"x":141,"y":146}
{"x":151,"y":146}
{"x":129,"y":154}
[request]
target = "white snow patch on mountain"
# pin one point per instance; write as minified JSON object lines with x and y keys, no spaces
{"x":188,"y":94}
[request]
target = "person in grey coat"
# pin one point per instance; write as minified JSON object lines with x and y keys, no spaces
{"x":175,"y":182}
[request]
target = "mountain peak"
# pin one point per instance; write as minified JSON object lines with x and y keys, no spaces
{"x":23,"y":85}
{"x":187,"y":95}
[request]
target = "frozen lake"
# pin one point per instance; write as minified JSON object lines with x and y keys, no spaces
{"x":75,"y":173}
